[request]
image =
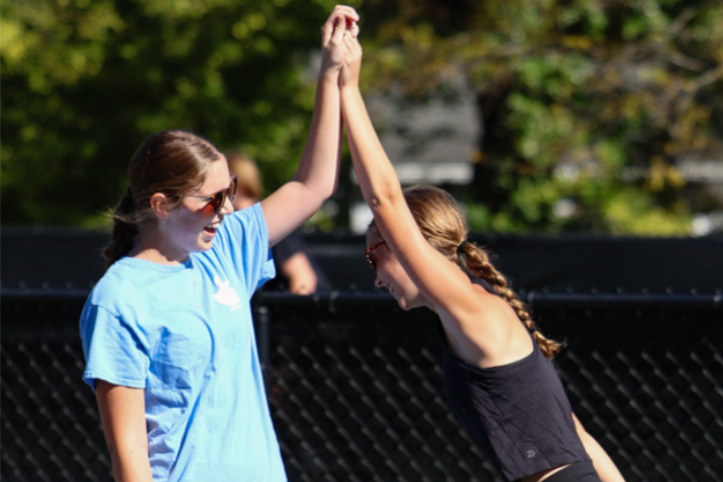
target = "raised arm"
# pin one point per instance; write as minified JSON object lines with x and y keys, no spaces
{"x":442,"y":283}
{"x":317,"y":175}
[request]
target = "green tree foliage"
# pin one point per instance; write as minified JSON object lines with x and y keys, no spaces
{"x":85,"y":81}
{"x":587,"y":105}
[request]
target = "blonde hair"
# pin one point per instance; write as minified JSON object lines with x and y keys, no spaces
{"x":442,"y":223}
{"x":249,"y":178}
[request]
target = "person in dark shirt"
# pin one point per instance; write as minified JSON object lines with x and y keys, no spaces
{"x":500,"y":381}
{"x":296,"y":271}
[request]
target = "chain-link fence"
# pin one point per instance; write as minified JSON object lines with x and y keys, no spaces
{"x":356,"y":389}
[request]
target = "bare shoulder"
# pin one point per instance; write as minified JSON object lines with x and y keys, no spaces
{"x":490,"y":308}
{"x":488,"y":332}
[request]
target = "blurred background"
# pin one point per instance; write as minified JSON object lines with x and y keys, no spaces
{"x":583,"y":137}
{"x":541,"y":116}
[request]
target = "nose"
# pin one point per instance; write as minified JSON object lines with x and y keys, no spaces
{"x":227,"y":207}
{"x":378,"y":282}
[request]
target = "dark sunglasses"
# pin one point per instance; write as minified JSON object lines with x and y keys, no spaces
{"x":219,"y":199}
{"x":368,"y":254}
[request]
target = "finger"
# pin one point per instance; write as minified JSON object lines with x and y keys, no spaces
{"x":331,"y":27}
{"x":353,"y":46}
{"x":347,"y":12}
{"x":339,"y":29}
{"x":354,"y":29}
{"x":326,"y":32}
{"x":348,"y":15}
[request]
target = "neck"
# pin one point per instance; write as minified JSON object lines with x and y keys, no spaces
{"x":152,"y":247}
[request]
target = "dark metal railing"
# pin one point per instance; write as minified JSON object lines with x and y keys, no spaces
{"x":356,"y":392}
{"x":336,"y":300}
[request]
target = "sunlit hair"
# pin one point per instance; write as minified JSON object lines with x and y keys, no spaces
{"x":247,"y":172}
{"x":173,"y":163}
{"x":443,"y":224}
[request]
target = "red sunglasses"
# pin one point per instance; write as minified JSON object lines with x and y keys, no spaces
{"x":219,"y":199}
{"x":368,"y":254}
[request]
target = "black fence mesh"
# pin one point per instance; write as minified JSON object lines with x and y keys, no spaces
{"x":356,"y":390}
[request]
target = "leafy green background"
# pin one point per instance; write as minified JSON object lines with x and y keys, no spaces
{"x":587,"y":105}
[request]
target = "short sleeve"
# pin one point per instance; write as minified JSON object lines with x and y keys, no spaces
{"x":243,"y":237}
{"x":113,"y":350}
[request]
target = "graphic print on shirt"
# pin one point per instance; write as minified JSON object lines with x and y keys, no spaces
{"x":226,"y":294}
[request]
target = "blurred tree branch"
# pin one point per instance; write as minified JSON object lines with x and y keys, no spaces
{"x":572,"y":96}
{"x":85,"y":81}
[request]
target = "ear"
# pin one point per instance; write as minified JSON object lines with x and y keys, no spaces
{"x":161,"y":205}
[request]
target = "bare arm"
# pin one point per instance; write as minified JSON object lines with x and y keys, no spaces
{"x":317,"y":175}
{"x":122,"y":413}
{"x":300,"y":273}
{"x":604,"y":465}
{"x":443,"y":283}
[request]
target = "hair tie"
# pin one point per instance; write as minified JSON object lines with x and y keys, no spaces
{"x":460,"y":248}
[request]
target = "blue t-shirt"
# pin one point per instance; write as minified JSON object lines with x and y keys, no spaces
{"x":184,"y":334}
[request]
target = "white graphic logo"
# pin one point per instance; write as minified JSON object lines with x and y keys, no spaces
{"x":530,"y":454}
{"x":226,"y":294}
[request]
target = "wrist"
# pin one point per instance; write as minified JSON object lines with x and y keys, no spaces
{"x":350,"y":88}
{"x":329,"y":74}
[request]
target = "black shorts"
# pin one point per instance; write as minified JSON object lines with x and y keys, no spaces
{"x":577,"y":472}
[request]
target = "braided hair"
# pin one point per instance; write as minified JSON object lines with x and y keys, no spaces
{"x":442,"y":223}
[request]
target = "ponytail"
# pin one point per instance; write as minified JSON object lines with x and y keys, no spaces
{"x":475,"y":262}
{"x":444,"y":226}
{"x":124,"y":232}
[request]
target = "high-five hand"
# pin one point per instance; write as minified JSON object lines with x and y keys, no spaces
{"x":352,"y":61}
{"x":342,"y":22}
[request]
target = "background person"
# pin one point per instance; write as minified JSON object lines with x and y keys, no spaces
{"x":296,"y":271}
{"x":499,"y":379}
{"x":167,"y":331}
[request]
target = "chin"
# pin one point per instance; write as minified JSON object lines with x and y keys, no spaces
{"x":200,"y":247}
{"x":408,"y":305}
{"x":204,"y":244}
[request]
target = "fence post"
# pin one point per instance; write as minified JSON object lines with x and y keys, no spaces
{"x":263,"y":331}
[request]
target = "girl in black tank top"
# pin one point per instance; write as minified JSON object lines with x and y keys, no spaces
{"x":528,"y":392}
{"x":508,"y":397}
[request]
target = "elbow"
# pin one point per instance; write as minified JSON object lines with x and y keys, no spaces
{"x":376,"y":203}
{"x":129,"y":452}
{"x":314,"y":195}
{"x":330,"y":191}
{"x":324,"y":188}
{"x":386,"y":193}
{"x":323,"y":195}
{"x":385,"y":201}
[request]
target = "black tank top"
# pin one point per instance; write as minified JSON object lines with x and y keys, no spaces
{"x":518,"y":413}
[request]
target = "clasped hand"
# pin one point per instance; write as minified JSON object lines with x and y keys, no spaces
{"x":339,"y":43}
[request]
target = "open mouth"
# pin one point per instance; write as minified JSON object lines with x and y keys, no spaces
{"x":211,"y":228}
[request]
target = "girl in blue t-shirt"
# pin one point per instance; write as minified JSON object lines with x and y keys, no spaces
{"x":167,"y":331}
{"x":499,"y":379}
